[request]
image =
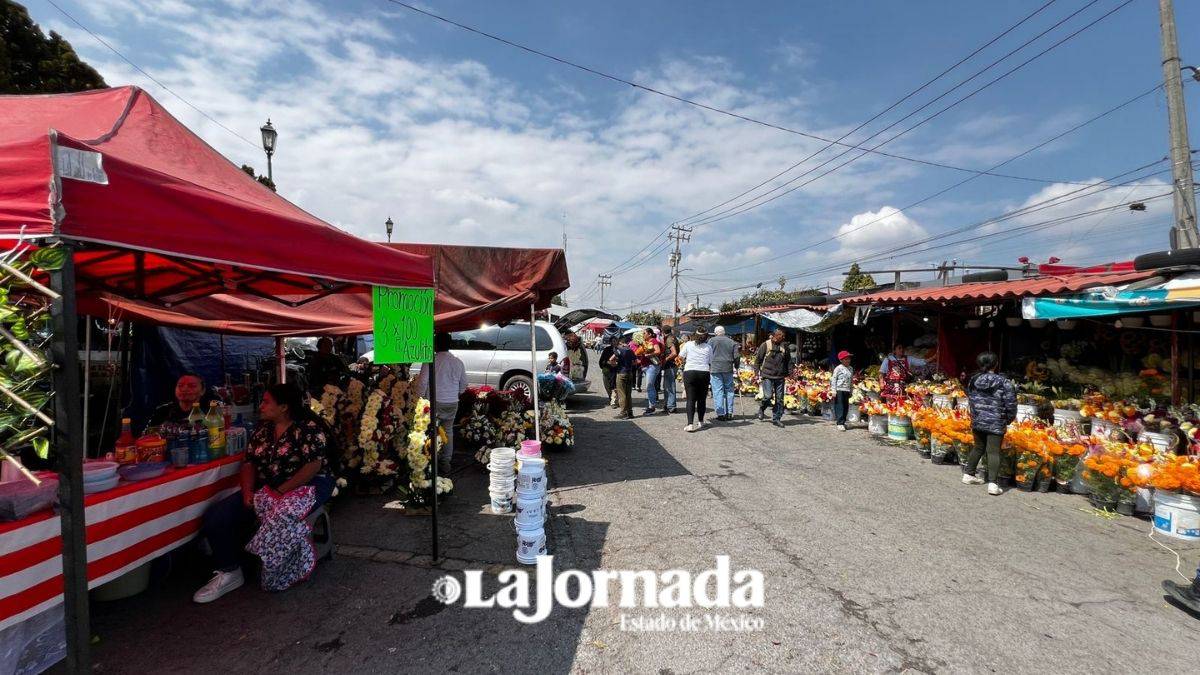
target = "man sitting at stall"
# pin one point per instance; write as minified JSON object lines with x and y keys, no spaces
{"x":284,"y":472}
{"x":189,"y":389}
{"x":324,"y":367}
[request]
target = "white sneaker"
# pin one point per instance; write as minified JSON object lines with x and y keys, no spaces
{"x":690,"y":427}
{"x":220,"y":584}
{"x":841,"y":427}
{"x":968,"y":479}
{"x":994,"y":490}
{"x":703,"y":423}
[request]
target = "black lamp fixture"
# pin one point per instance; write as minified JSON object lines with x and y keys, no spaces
{"x":389,"y":225}
{"x":268,"y":140}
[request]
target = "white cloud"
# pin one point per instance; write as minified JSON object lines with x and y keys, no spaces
{"x":455,"y":152}
{"x":873,"y":230}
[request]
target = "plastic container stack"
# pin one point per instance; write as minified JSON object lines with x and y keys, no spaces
{"x":530,"y":509}
{"x":501,"y":467}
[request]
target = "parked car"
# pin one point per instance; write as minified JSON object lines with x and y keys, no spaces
{"x":499,"y":356}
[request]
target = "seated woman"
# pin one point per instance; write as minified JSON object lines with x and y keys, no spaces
{"x":286,"y":451}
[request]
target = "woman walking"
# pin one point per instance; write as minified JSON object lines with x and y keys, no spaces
{"x":993,"y":400}
{"x":697,"y":366}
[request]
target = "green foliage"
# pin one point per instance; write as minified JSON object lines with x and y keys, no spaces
{"x":766,"y":298}
{"x":559,"y":300}
{"x":31,"y":63}
{"x":262,"y":179}
{"x":857,"y":281}
{"x":644,"y":318}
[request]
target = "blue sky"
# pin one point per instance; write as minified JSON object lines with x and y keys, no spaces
{"x":460,"y":139}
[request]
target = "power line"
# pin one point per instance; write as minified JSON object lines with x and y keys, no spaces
{"x":729,"y":213}
{"x":153,"y":79}
{"x":1052,"y":202}
{"x":893,"y":106}
{"x":697,"y":104}
{"x":881,"y":112}
{"x":954,"y":186}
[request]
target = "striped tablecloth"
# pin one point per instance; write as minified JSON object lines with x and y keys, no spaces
{"x":126,"y":527}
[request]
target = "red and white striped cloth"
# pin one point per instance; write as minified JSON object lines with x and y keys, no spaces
{"x":126,"y":527}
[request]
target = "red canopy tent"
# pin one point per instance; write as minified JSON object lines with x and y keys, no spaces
{"x":167,"y":218}
{"x":153,"y":213}
{"x":476,"y":284}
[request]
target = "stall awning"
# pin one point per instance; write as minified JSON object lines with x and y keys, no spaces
{"x":1179,"y":293}
{"x":476,"y":285}
{"x":997,"y":291}
{"x":163,"y":216}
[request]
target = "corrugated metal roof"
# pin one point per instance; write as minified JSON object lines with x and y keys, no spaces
{"x":999,"y":290}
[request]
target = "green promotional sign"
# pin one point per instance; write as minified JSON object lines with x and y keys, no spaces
{"x":403,"y":324}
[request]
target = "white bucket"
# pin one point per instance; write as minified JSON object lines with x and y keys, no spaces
{"x":942,"y":401}
{"x":1161,"y":442}
{"x":501,"y":503}
{"x":854,"y":415}
{"x":877,"y":424}
{"x":531,"y":482}
{"x":1177,"y":515}
{"x":1065,"y":418}
{"x":1026,"y":412}
{"x":530,"y":544}
{"x":1102,"y":428}
{"x":531,"y":494}
{"x":531,"y":513}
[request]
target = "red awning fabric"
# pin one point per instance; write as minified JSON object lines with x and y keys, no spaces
{"x":476,"y":285}
{"x":163,"y":216}
{"x":998,"y":291}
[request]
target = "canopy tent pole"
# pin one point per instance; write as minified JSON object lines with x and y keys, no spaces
{"x":435,"y":423}
{"x":87,"y":379}
{"x":533,"y":368}
{"x":280,"y":360}
{"x":69,"y":448}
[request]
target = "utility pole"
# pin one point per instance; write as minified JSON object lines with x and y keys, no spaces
{"x":605,"y":282}
{"x":678,"y":234}
{"x":1184,"y":233}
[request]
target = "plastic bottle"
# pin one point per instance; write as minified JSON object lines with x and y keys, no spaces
{"x":196,"y":416}
{"x":126,"y":447}
{"x":200,"y":453}
{"x":214,"y":422}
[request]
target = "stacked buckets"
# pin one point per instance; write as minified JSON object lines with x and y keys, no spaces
{"x":530,"y":503}
{"x":503,"y":479}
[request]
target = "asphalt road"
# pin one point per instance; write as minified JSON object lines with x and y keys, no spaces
{"x":874,"y":560}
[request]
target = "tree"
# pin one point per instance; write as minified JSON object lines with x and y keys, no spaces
{"x":767,"y":298}
{"x":856,"y":280}
{"x":31,"y":63}
{"x":262,"y":179}
{"x":645,"y":318}
{"x":559,"y":300}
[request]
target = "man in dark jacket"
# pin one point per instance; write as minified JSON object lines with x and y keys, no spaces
{"x":773,"y":362}
{"x":609,"y":371}
{"x":993,"y":400}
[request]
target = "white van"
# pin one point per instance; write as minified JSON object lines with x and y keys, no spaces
{"x":499,"y":356}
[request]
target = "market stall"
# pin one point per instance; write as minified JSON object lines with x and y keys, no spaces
{"x":105,"y":193}
{"x":1097,"y":412}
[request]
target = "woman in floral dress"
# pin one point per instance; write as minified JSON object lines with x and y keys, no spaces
{"x":287,"y":450}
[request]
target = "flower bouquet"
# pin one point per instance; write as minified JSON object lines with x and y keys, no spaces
{"x":1108,"y":474}
{"x":414,"y":493}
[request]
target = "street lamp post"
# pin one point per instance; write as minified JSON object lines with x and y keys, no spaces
{"x":389,"y":225}
{"x":268,"y":140}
